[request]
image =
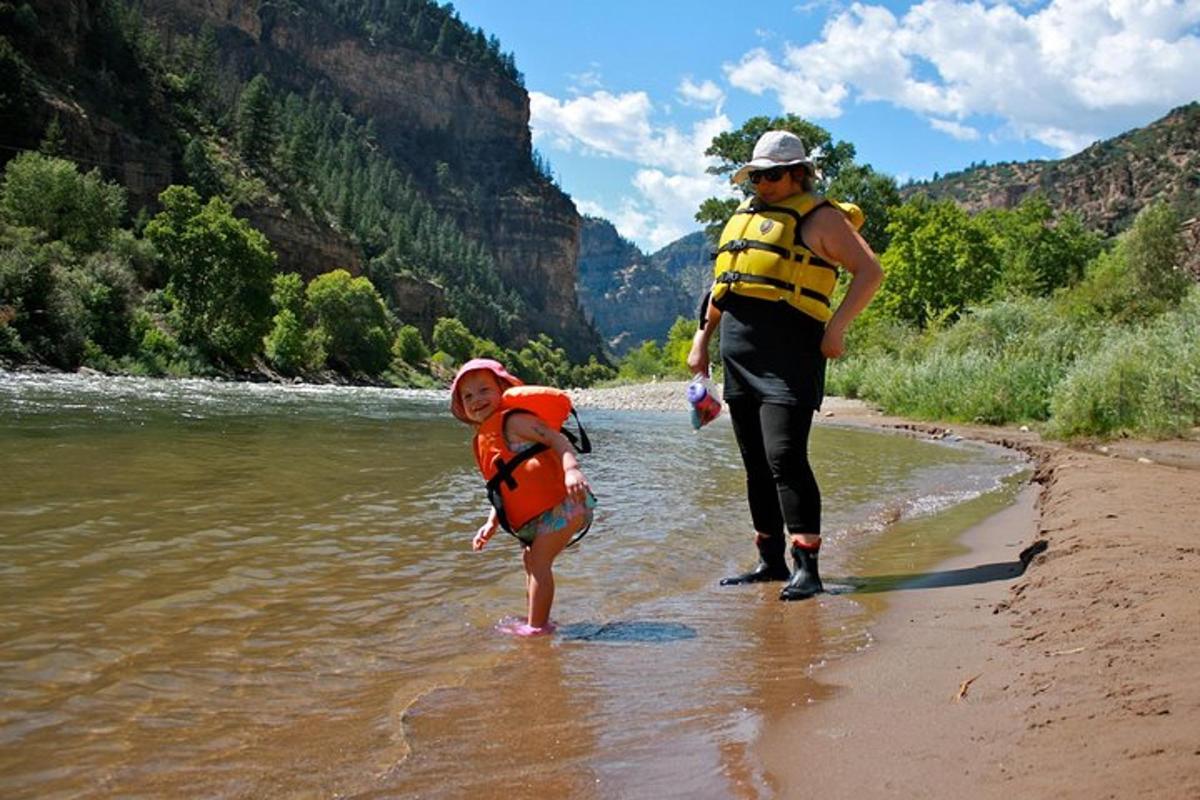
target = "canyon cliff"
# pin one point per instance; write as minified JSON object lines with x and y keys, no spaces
{"x":460,"y":130}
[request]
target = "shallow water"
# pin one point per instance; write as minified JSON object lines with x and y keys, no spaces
{"x":238,"y":590}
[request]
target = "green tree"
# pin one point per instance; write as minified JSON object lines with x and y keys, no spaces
{"x":454,"y":339}
{"x":409,"y":346}
{"x":50,"y":194}
{"x":1037,"y":252}
{"x":1155,"y":249}
{"x":875,"y":193}
{"x":939,"y":262}
{"x":291,"y":346}
{"x":678,"y":345}
{"x":220,"y":273}
{"x":352,"y":321}
{"x":199,"y":168}
{"x":257,"y":122}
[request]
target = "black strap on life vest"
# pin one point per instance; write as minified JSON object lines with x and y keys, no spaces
{"x":738,"y":245}
{"x":739,"y":277}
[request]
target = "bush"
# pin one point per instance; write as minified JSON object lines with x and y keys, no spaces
{"x":50,"y":194}
{"x":220,"y":273}
{"x":452,"y":337}
{"x":352,"y":322}
{"x":409,"y":346}
{"x":1144,"y":379}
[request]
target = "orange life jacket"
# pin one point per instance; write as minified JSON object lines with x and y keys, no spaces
{"x":523,"y":485}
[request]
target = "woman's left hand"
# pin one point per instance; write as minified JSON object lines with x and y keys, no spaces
{"x":833,"y":343}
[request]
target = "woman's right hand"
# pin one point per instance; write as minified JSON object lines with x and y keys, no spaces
{"x":697,"y":358}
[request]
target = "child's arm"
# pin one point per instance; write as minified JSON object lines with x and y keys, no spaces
{"x":486,"y":531}
{"x":532,"y":429}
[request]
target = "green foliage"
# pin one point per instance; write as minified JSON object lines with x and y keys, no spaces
{"x":257,"y":122}
{"x":352,"y":321}
{"x":679,"y":343}
{"x":996,"y":364}
{"x":875,"y":193}
{"x":939,"y":261}
{"x":642,"y":362}
{"x":452,"y":337}
{"x":220,"y":274}
{"x":540,"y":362}
{"x":54,"y":302}
{"x":50,"y":194}
{"x":1139,"y":278}
{"x":202,"y":175}
{"x":1143,"y":379}
{"x":1037,"y":253}
{"x":290,"y":346}
{"x":591,"y":373}
{"x":409,"y":346}
{"x":1155,"y":249}
{"x":388,"y":213}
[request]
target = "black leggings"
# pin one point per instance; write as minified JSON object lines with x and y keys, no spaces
{"x":780,"y":484}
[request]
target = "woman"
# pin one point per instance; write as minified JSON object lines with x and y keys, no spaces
{"x":776,"y":267}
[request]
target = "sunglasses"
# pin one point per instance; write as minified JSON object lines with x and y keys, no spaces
{"x":769,"y":175}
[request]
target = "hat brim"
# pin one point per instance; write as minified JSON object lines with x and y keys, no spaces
{"x":765,"y":163}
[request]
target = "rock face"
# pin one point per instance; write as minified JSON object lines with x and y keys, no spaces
{"x":1106,"y":184}
{"x":432,"y":115}
{"x":690,"y":261}
{"x":629,"y":298}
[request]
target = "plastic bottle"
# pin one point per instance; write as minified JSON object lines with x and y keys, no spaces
{"x":706,"y":406}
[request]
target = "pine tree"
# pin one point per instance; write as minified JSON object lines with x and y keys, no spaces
{"x":257,"y":122}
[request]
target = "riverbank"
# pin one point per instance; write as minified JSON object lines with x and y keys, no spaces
{"x":1077,"y":678}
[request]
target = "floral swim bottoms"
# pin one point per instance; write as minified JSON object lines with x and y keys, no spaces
{"x":558,"y":518}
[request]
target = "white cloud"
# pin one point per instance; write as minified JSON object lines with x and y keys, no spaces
{"x":671,"y":181}
{"x":703,"y":95}
{"x":1064,"y":74}
{"x":620,"y":126}
{"x":964,"y":133}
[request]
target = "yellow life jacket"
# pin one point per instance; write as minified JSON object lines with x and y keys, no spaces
{"x":761,"y":254}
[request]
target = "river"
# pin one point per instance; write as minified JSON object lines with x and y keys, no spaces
{"x":241,"y":590}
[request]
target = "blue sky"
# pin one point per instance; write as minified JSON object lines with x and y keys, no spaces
{"x":626,"y":96}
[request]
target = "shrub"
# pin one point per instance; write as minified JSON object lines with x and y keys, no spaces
{"x":352,"y":322}
{"x":409,"y":346}
{"x":50,"y":194}
{"x":220,"y":273}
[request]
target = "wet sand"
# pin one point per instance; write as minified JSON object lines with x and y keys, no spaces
{"x":1078,"y":678}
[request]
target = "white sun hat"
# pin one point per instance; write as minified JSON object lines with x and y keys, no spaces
{"x":774,"y":149}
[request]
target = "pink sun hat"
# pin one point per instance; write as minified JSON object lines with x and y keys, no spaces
{"x":506,"y":380}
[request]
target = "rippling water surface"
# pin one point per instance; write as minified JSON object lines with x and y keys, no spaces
{"x":237,"y":590}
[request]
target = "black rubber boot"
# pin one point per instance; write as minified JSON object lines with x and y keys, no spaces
{"x":805,"y":581}
{"x":772,"y":566}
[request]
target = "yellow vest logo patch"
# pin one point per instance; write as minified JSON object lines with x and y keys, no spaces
{"x":766,"y":226}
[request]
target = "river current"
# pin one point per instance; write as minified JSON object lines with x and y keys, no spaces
{"x":240,"y":590}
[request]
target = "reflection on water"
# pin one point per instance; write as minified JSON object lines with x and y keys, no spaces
{"x":237,"y":590}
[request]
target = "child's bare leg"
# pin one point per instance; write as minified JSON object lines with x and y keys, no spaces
{"x":539,"y":559}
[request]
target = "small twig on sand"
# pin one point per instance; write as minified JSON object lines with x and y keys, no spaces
{"x":962,"y":688}
{"x":1067,"y":652}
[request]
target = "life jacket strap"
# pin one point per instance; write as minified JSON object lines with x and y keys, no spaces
{"x":581,"y":443}
{"x":739,"y":277}
{"x":504,"y":475}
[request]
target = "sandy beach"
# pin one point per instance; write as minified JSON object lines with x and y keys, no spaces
{"x":1056,"y":659}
